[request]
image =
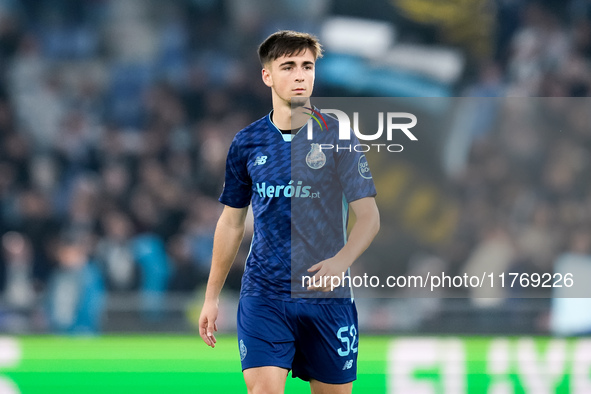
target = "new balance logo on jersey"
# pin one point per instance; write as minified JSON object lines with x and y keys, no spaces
{"x":260,"y":160}
{"x":290,"y":190}
{"x":348,"y":364}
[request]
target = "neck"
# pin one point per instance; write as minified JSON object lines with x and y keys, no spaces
{"x":282,"y":115}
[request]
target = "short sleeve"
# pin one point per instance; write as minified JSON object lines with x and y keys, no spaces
{"x":354,"y":174}
{"x":237,"y":190}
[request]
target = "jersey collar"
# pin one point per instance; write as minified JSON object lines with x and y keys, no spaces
{"x":286,"y":137}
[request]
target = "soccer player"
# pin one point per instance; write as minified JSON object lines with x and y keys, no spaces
{"x":300,"y":197}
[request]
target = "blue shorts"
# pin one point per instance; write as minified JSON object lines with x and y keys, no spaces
{"x":314,"y":341}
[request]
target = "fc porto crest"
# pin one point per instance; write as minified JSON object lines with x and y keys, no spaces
{"x":315,"y":159}
{"x":243,"y":350}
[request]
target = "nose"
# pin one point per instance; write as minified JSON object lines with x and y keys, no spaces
{"x":299,"y":75}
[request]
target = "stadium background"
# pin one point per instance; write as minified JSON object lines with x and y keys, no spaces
{"x":115,"y":118}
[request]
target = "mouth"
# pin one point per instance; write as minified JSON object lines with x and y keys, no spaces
{"x":299,"y":90}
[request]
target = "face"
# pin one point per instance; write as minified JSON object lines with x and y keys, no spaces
{"x":291,"y":76}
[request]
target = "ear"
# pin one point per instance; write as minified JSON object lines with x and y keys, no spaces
{"x":267,"y":78}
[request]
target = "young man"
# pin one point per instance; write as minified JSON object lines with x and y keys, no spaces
{"x":300,"y":197}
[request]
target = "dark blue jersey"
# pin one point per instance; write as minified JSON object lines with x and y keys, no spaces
{"x":299,"y":194}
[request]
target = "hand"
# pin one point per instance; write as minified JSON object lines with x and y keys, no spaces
{"x":207,"y":322}
{"x":331,"y":269}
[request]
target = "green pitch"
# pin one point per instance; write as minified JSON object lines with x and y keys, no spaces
{"x":176,"y":365}
{"x":147,"y":365}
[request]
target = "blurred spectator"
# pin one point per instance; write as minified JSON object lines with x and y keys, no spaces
{"x":114,"y":253}
{"x":493,"y":254}
{"x":150,"y":254}
{"x":115,"y":184}
{"x":80,"y":196}
{"x":10,"y":33}
{"x":185,"y":274}
{"x":75,"y":293}
{"x":8,"y":196}
{"x":35,"y":218}
{"x":538,"y":241}
{"x":572,"y":316}
{"x":19,"y":289}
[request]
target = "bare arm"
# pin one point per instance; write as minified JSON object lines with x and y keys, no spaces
{"x":226,"y":242}
{"x":362,"y":234}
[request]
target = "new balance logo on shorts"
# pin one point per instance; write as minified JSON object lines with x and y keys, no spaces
{"x":348,"y":364}
{"x":260,"y":160}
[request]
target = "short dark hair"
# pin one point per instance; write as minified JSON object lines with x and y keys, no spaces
{"x":287,"y":43}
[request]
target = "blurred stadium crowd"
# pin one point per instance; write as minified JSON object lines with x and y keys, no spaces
{"x":116,"y":116}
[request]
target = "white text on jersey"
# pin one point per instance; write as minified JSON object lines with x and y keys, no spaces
{"x":289,"y":190}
